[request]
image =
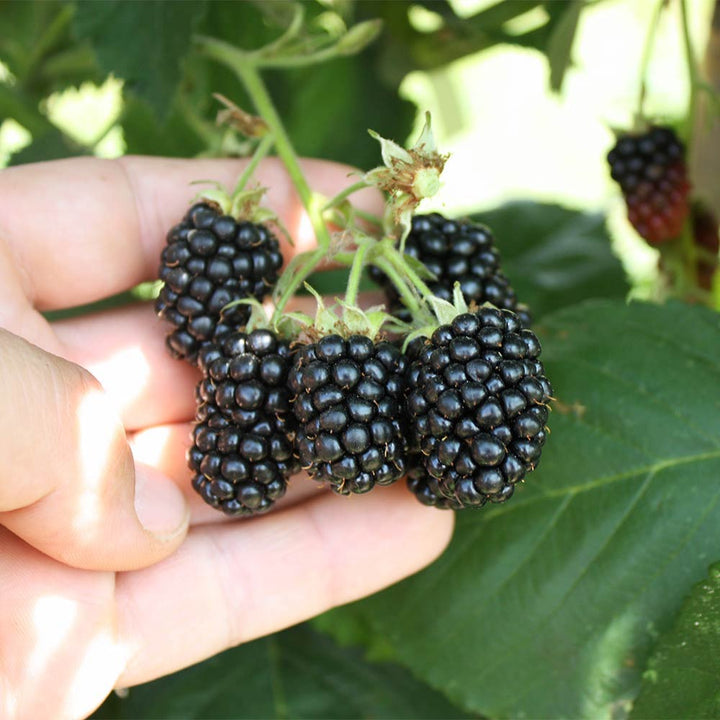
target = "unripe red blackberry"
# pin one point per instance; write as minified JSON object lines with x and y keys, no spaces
{"x":242,"y":452}
{"x":211,"y":260}
{"x":651,"y":170}
{"x":347,"y":402}
{"x":477,"y":404}
{"x":457,"y":251}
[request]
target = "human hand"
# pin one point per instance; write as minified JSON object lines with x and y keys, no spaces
{"x":113,"y":572}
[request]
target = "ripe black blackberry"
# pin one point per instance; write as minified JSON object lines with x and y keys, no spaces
{"x":242,"y":452}
{"x":347,"y":401}
{"x":426,"y":489}
{"x":456,"y":251}
{"x":651,"y":170}
{"x":210,"y":260}
{"x":477,"y":405}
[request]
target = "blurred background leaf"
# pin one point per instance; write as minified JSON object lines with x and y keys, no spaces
{"x":298,"y":673}
{"x":555,"y":257}
{"x":145,"y":43}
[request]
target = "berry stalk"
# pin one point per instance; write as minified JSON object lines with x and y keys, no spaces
{"x":355,"y":276}
{"x":243,"y":67}
{"x":396,"y":259}
{"x":262,"y":149}
{"x":389,"y":269}
{"x":646,"y":55}
{"x":693,"y":75}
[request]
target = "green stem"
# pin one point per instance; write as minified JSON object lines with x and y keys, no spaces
{"x":289,"y":35}
{"x":353,"y":283}
{"x":687,"y":239}
{"x":345,"y":259}
{"x":646,"y":55}
{"x":369,"y":217}
{"x":262,"y":149}
{"x":299,"y":278}
{"x":298,"y":61}
{"x":337,"y":217}
{"x":693,"y":76}
{"x":243,"y":67}
{"x":393,"y":256}
{"x":408,"y":298}
{"x":342,"y":196}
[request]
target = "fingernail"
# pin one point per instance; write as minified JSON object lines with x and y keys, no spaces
{"x":159,"y":504}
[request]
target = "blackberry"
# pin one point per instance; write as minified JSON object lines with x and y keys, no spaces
{"x":210,"y":260}
{"x":477,"y":404}
{"x":456,"y":251}
{"x":426,"y":489}
{"x":348,"y":407}
{"x":651,"y":170}
{"x":242,"y":452}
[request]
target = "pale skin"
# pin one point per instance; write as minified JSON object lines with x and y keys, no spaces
{"x":112,"y":571}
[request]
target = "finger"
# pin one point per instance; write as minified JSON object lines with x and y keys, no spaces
{"x":231,"y":583}
{"x":125,"y":350}
{"x":114,"y":214}
{"x":68,"y":485}
{"x":164,"y":448}
{"x":59,"y":657}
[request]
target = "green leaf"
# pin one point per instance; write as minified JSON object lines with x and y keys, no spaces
{"x":50,"y":145}
{"x":560,"y":42}
{"x":144,"y":43}
{"x":297,"y":674}
{"x":555,"y":257}
{"x":145,"y":134}
{"x":328,"y":111}
{"x":548,"y":606}
{"x":683,"y":679}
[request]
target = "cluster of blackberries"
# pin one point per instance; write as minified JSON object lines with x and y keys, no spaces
{"x":462,"y":414}
{"x":651,"y":170}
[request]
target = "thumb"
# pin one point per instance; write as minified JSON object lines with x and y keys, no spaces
{"x":68,"y":484}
